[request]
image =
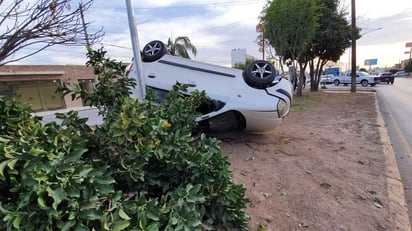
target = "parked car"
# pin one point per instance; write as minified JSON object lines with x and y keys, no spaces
{"x":251,"y":100}
{"x":326,"y":79}
{"x":387,"y":77}
{"x":401,"y":74}
{"x":361,"y":77}
{"x":393,"y":71}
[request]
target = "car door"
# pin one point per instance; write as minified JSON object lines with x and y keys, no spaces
{"x":215,"y":80}
{"x":347,"y":78}
{"x":358,"y":78}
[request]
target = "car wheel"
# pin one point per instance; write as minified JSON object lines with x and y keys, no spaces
{"x":336,"y":82}
{"x":259,"y":74}
{"x":153,"y":51}
{"x":364,"y":83}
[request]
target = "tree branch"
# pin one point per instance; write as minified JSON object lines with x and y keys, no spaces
{"x":47,"y":22}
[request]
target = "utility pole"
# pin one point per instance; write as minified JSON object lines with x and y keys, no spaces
{"x":140,"y":92}
{"x":353,"y":77}
{"x":86,"y":36}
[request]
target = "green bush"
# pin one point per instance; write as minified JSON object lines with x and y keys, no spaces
{"x":139,"y":170}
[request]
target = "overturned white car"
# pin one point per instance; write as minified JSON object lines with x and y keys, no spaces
{"x":251,"y":100}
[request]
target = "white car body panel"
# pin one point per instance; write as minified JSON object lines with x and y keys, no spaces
{"x":257,"y":106}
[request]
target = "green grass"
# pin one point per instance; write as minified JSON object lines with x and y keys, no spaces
{"x":305,"y":102}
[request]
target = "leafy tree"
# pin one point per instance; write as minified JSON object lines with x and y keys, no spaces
{"x":290,"y":26}
{"x":40,"y":24}
{"x":265,"y":45}
{"x":332,"y":37}
{"x":408,"y":67}
{"x":181,"y":46}
{"x":112,"y":88}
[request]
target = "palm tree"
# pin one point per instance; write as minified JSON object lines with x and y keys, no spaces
{"x":181,"y":47}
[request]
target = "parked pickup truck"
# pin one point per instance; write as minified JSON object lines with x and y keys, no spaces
{"x":326,"y":79}
{"x":361,"y":77}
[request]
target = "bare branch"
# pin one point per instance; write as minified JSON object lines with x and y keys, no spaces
{"x":43,"y":23}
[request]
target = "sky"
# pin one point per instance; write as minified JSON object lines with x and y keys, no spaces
{"x":216,"y":27}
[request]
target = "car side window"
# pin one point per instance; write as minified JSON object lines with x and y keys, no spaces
{"x":160,"y":93}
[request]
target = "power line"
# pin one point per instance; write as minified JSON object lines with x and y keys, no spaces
{"x":208,"y":5}
{"x":220,"y":4}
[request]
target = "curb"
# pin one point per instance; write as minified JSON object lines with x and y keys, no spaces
{"x":347,"y":90}
{"x":398,"y":209}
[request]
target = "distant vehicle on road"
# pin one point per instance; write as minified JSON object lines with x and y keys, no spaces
{"x":393,"y":71}
{"x":387,"y":77}
{"x":251,"y":100}
{"x":362,"y":78}
{"x":326,"y":79}
{"x":401,"y":74}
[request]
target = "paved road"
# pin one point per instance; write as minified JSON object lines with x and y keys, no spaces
{"x":395,"y":102}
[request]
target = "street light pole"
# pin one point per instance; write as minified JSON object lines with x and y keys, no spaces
{"x":353,"y":77}
{"x":140,"y":92}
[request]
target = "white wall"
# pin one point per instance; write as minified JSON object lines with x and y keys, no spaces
{"x":238,"y":56}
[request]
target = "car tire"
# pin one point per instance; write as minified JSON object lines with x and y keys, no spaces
{"x":336,"y":82}
{"x":364,"y":83}
{"x":153,"y":51}
{"x":259,"y":74}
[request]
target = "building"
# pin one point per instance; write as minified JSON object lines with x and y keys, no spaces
{"x":404,"y":63}
{"x":37,"y":84}
{"x":239,"y":56}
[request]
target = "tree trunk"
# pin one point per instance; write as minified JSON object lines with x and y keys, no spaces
{"x":302,"y":79}
{"x":299,"y":91}
{"x":315,"y":73}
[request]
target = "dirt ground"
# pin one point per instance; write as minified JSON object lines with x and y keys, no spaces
{"x":329,"y":166}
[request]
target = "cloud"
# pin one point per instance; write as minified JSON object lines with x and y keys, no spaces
{"x":390,"y":29}
{"x":217,"y":27}
{"x":214,"y":28}
{"x":385,"y":38}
